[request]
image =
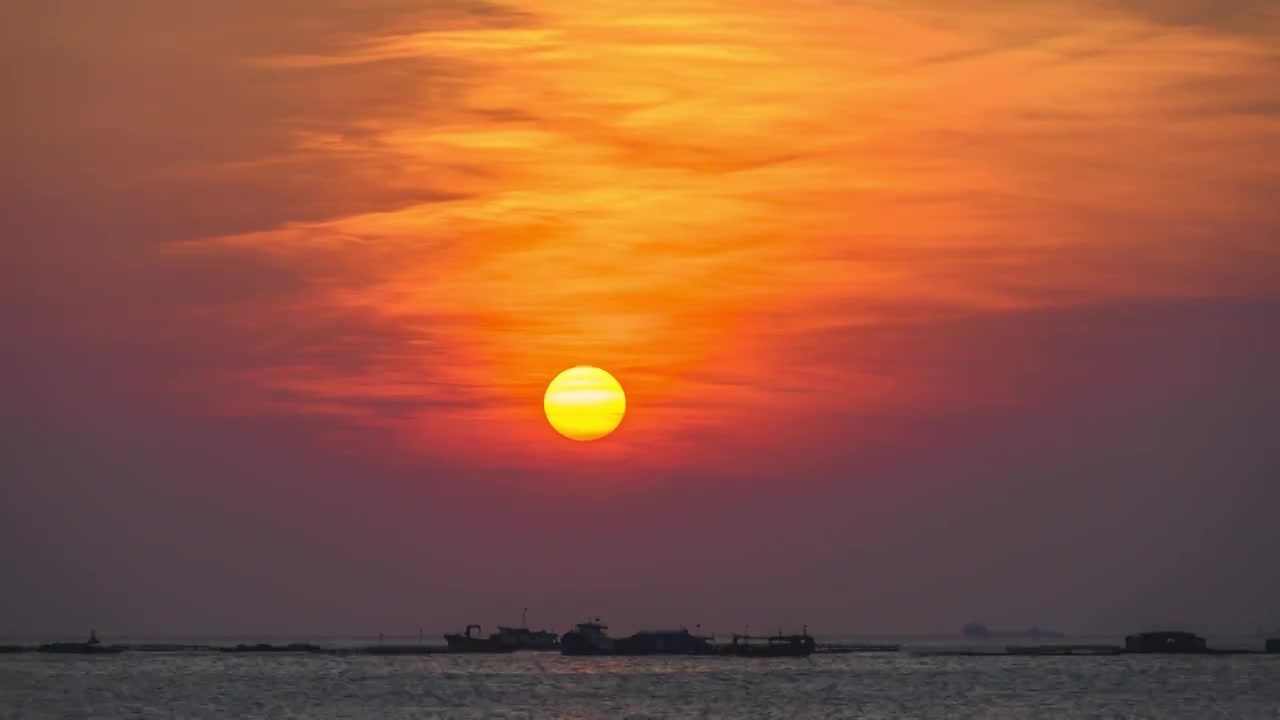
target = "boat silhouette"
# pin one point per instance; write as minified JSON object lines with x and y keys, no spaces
{"x":506,"y":639}
{"x":590,"y":638}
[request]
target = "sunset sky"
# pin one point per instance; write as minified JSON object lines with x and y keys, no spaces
{"x":927,"y":311}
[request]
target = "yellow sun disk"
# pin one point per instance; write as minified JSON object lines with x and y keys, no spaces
{"x":584,"y":403}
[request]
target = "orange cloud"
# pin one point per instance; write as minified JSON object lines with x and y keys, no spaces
{"x":681,"y":191}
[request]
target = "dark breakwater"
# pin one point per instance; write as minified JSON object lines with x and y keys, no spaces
{"x":401,"y":650}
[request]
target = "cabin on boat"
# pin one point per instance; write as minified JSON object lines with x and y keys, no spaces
{"x":664,"y":642}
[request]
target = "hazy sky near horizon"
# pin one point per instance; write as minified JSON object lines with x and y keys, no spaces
{"x":927,"y":311}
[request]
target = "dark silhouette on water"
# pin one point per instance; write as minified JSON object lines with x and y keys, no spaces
{"x":1165,"y":642}
{"x":802,"y":645}
{"x":522,"y":638}
{"x":466,"y":642}
{"x":507,"y":639}
{"x":268,"y":648}
{"x":1064,"y":650}
{"x":1144,"y":643}
{"x":92,"y":646}
{"x":590,"y":638}
{"x":79,"y":649}
{"x":850,"y":648}
{"x":308,"y":648}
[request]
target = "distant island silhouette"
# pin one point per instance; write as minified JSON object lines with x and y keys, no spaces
{"x":979,"y":630}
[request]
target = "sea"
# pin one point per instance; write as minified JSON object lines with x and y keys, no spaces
{"x":908,"y":684}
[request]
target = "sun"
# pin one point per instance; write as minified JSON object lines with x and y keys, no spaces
{"x":584,"y":403}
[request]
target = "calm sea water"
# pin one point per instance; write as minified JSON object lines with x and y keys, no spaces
{"x":537,"y":685}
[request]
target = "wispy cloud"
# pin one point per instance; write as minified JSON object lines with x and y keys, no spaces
{"x":681,"y":186}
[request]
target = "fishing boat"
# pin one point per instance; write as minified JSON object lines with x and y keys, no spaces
{"x":507,"y":639}
{"x":522,"y":638}
{"x":469,"y":643}
{"x":588,"y":638}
